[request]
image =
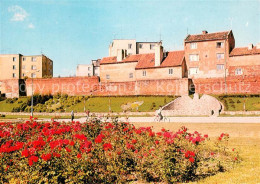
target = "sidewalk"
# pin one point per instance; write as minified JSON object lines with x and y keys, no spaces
{"x":184,"y":120}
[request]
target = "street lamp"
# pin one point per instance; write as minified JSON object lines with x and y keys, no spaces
{"x":32,"y":90}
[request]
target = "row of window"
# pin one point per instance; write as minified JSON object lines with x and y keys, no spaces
{"x":141,"y":46}
{"x":144,"y":74}
{"x":33,"y":67}
{"x":24,"y":59}
{"x":218,"y":45}
{"x":195,"y":70}
{"x":195,"y":57}
{"x":33,"y":75}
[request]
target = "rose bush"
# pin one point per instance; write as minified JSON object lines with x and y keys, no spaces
{"x":95,"y":152}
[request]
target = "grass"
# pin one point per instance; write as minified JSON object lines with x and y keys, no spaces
{"x":7,"y":107}
{"x":235,"y":103}
{"x":244,"y":137}
{"x":150,"y":103}
{"x":101,"y":104}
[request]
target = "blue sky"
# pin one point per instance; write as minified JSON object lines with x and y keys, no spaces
{"x":73,"y":32}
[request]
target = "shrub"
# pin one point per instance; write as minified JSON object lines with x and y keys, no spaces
{"x":96,"y":152}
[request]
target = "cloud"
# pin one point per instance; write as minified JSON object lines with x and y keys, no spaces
{"x":31,"y":26}
{"x":247,"y":24}
{"x":19,"y":14}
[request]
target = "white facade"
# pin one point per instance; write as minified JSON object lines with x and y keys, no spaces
{"x":84,"y":70}
{"x":131,"y":47}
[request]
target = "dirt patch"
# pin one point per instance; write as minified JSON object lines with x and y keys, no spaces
{"x":212,"y":129}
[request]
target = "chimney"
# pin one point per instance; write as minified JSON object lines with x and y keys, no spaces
{"x":120,"y":55}
{"x":258,"y":46}
{"x":204,"y":32}
{"x":250,"y":46}
{"x":158,"y":54}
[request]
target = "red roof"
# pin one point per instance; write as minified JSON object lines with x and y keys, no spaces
{"x":244,"y":51}
{"x":108,"y":60}
{"x":207,"y":36}
{"x":174,"y":58}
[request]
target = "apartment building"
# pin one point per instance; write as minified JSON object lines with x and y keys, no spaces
{"x":207,"y":54}
{"x":88,"y":69}
{"x":18,"y":66}
{"x":131,"y":47}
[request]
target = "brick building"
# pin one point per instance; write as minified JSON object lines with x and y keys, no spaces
{"x":207,"y":53}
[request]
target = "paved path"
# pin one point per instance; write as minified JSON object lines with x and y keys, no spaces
{"x":187,"y":119}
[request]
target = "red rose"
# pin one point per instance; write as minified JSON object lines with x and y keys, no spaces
{"x":134,"y":141}
{"x":25,"y":153}
{"x":191,"y":159}
{"x":79,"y":156}
{"x":107,"y":146}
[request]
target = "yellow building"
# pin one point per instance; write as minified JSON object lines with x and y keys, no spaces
{"x":148,"y":66}
{"x":17,"y":66}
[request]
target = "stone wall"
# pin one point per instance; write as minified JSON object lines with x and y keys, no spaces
{"x":233,"y":85}
{"x":92,"y":86}
{"x":10,"y":87}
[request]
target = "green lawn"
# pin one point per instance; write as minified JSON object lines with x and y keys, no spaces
{"x":150,"y":103}
{"x":7,"y":107}
{"x":235,"y":103}
{"x":101,"y":104}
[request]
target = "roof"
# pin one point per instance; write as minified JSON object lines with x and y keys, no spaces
{"x":145,"y":61}
{"x":244,"y":51}
{"x":108,"y":60}
{"x":207,"y":36}
{"x":174,"y":58}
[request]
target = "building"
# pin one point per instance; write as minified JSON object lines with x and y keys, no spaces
{"x":207,"y":54}
{"x":152,"y":66}
{"x":244,"y":61}
{"x":88,"y":70}
{"x":18,"y":66}
{"x":131,"y":47}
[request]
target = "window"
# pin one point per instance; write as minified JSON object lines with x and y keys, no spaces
{"x":193,"y":45}
{"x":33,"y":67}
{"x":14,"y":75}
{"x":220,"y":45}
{"x":24,"y":59}
{"x":130,"y":75}
{"x":170,"y":71}
{"x":238,"y":71}
{"x":33,"y":59}
{"x":220,"y":67}
{"x":23,"y":75}
{"x":144,"y":73}
{"x":194,"y":57}
{"x":33,"y":75}
{"x":152,"y":46}
{"x":129,"y":46}
{"x":14,"y":58}
{"x":23,"y":67}
{"x":107,"y":76}
{"x":193,"y":71}
{"x":220,"y":56}
{"x":14,"y":67}
{"x":140,"y":46}
{"x":88,"y":68}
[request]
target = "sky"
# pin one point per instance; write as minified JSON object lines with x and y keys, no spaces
{"x":72,"y":32}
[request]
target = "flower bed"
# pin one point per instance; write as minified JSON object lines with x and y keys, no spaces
{"x":95,"y":152}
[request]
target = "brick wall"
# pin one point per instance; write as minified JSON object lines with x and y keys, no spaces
{"x":234,"y":85}
{"x":63,"y":85}
{"x":10,"y":87}
{"x":91,"y":85}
